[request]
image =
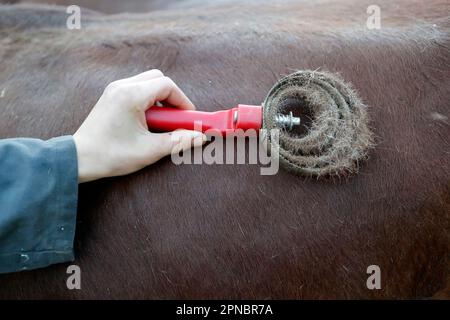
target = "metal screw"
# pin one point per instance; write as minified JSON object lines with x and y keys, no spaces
{"x":287,"y":121}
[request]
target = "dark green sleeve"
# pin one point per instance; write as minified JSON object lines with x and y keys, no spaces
{"x":38,"y":202}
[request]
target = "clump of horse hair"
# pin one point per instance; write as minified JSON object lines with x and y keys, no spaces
{"x":338,"y":136}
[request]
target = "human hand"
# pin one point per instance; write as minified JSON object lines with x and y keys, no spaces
{"x":114,"y":139}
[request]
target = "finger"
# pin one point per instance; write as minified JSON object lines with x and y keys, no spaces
{"x":161,"y":89}
{"x":179,"y":140}
{"x":147,"y":75}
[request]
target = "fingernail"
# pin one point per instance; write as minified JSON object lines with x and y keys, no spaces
{"x":197,"y":134}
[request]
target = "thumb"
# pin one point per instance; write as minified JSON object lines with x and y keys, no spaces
{"x":180,"y":140}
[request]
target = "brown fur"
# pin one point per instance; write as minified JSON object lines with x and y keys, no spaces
{"x":224,"y":231}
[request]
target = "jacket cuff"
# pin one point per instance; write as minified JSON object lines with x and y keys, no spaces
{"x":43,"y":227}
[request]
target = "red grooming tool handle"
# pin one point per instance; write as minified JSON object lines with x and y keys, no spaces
{"x":225,"y":121}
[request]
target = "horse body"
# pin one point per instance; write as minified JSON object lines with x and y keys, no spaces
{"x":225,"y":231}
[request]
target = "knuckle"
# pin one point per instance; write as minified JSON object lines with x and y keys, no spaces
{"x":168,"y":81}
{"x":157,"y":72}
{"x":112,"y":87}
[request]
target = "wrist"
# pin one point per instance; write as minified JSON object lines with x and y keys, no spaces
{"x":87,"y":161}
